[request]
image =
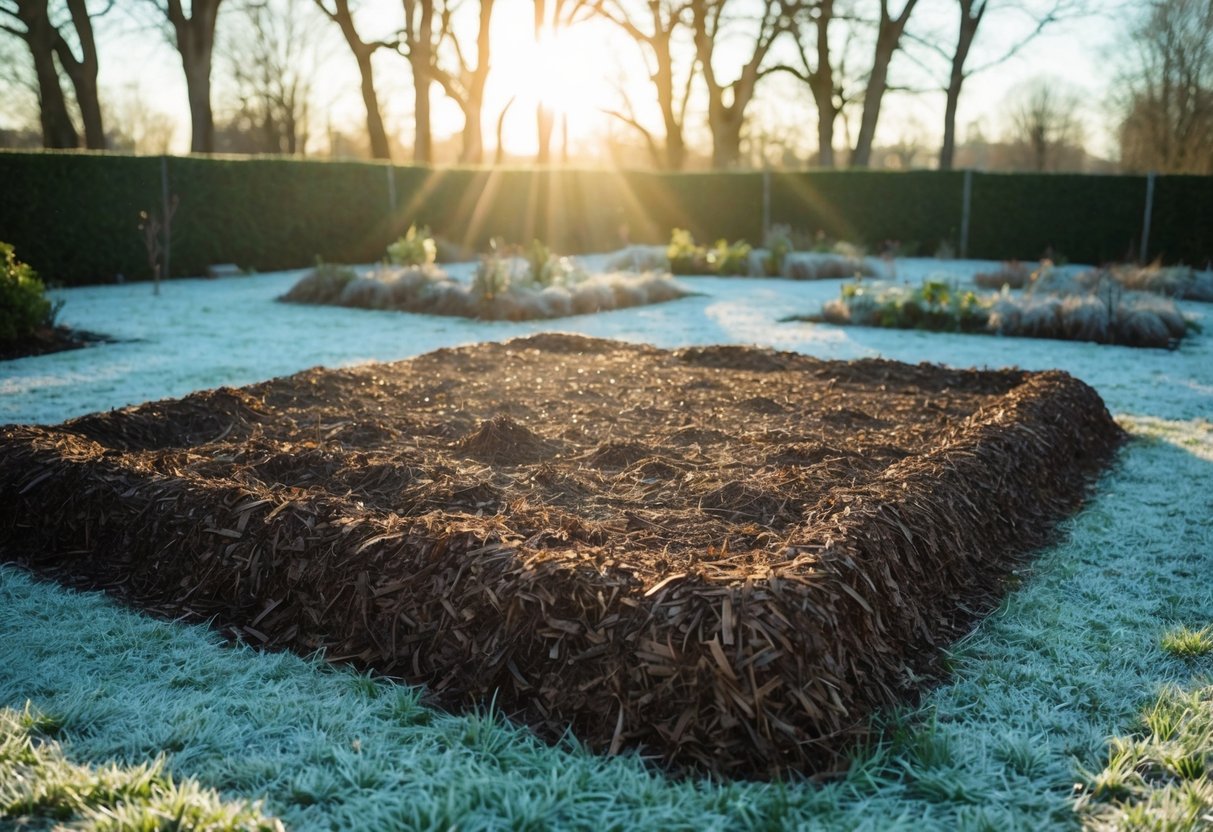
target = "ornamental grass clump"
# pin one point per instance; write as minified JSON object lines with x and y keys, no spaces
{"x":1013,"y":274}
{"x":323,"y":284}
{"x":1182,"y":282}
{"x":510,"y":284}
{"x":1068,"y":311}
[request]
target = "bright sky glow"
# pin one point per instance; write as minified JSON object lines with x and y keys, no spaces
{"x":592,"y":68}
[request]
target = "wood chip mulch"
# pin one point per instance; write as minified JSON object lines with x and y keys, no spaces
{"x":726,"y":558}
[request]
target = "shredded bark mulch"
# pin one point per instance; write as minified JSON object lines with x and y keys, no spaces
{"x":725,"y":557}
{"x":50,"y":339}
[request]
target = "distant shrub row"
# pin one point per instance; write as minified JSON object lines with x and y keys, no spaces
{"x":74,"y":216}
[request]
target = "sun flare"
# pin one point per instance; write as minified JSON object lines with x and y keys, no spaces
{"x":567,"y":70}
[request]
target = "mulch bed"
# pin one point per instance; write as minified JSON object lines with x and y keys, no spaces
{"x":50,"y":339}
{"x":725,"y":557}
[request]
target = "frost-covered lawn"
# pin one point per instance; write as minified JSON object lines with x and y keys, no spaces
{"x":1072,"y":658}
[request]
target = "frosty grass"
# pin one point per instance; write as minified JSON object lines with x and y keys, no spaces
{"x":1064,"y":708}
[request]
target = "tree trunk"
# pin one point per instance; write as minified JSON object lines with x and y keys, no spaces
{"x":83,"y":74}
{"x":821,"y":83}
{"x":196,"y":44}
{"x":888,"y":38}
{"x":57,"y":128}
{"x":726,"y":139}
{"x":947,"y":150}
{"x":41,"y":39}
{"x":472,"y":150}
{"x":675,"y":145}
{"x":198,"y":90}
{"x":968,"y":31}
{"x":872,"y":98}
{"x":421,"y":52}
{"x":370,"y":99}
{"x":341,"y":15}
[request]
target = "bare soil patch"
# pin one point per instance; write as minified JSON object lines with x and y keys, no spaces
{"x":725,"y":557}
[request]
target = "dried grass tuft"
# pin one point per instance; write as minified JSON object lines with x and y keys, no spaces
{"x":428,"y":290}
{"x":1013,"y":274}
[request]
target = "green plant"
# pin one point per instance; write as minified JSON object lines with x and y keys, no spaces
{"x":415,"y":248}
{"x":493,"y":275}
{"x":684,"y":255}
{"x":1188,"y":643}
{"x":727,"y":258}
{"x":544,"y":268}
{"x":723,"y":258}
{"x":24,"y":307}
{"x":778,"y":243}
{"x":936,"y":305}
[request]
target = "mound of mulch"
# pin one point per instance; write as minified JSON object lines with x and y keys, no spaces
{"x":724,"y":557}
{"x":48,"y":339}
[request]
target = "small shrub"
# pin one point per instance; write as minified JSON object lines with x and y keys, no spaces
{"x":24,"y":307}
{"x":415,"y":248}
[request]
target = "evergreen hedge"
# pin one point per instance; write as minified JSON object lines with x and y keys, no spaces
{"x":74,"y":216}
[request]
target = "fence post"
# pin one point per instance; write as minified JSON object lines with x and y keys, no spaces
{"x":965,"y":208}
{"x":766,"y":204}
{"x":391,"y":190}
{"x":165,"y":212}
{"x":1149,"y":214}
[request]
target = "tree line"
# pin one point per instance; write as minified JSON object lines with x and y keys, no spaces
{"x":718,"y":51}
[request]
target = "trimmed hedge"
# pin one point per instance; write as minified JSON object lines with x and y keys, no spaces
{"x":74,"y":216}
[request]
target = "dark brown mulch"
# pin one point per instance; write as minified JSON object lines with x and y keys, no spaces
{"x":49,"y":339}
{"x":725,"y":557}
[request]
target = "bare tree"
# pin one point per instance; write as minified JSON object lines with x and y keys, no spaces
{"x":340,"y":13}
{"x":82,"y":69}
{"x":728,"y":100}
{"x":1044,"y":122}
{"x":889,"y":30}
{"x":194,"y":36}
{"x":417,"y":44}
{"x":972,"y":13}
{"x":1167,"y":121}
{"x":30,"y":21}
{"x":270,"y":58}
{"x":464,"y":81}
{"x":656,"y":40}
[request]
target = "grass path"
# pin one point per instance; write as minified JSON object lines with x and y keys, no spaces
{"x":1072,"y":658}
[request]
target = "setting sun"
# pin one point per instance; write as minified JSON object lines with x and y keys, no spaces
{"x":567,"y":70}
